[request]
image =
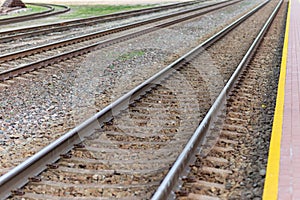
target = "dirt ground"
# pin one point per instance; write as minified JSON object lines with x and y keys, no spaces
{"x":111,"y":2}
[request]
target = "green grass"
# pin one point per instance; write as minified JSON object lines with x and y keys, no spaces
{"x":96,"y":10}
{"x":131,"y":55}
{"x":81,"y":11}
{"x":35,"y":9}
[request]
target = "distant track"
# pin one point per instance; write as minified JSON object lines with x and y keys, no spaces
{"x":50,"y":12}
{"x":85,"y":45}
{"x":66,"y":25}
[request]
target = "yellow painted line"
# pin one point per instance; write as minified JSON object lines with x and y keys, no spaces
{"x":272,"y":176}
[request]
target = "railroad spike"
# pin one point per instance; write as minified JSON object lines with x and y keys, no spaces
{"x":18,"y":192}
{"x":189,"y":179}
{"x":117,"y":173}
{"x":132,"y":105}
{"x":79,"y":146}
{"x":35,"y":179}
{"x":52,"y":166}
{"x":109,"y":123}
{"x":196,"y":165}
{"x":66,"y":156}
{"x":181,"y":193}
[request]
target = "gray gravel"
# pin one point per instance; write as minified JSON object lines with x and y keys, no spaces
{"x":262,"y":119}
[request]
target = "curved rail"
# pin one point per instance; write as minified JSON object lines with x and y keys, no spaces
{"x":51,"y":11}
{"x":36,"y":164}
{"x":169,"y":184}
{"x":33,"y":66}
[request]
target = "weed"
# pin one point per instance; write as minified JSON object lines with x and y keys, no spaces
{"x":80,"y":11}
{"x":131,"y":55}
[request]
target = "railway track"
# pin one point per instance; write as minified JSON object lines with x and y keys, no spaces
{"x":52,"y":10}
{"x":19,"y":33}
{"x":17,"y":63}
{"x":130,"y":145}
{"x":234,"y":155}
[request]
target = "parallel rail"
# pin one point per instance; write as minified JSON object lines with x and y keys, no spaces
{"x":36,"y":164}
{"x":4,"y":75}
{"x":66,"y":25}
{"x":180,"y":168}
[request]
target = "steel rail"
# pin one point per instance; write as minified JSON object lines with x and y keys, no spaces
{"x":4,"y":75}
{"x":38,"y":15}
{"x":180,"y":167}
{"x":98,"y":34}
{"x":65,"y":25}
{"x":34,"y":165}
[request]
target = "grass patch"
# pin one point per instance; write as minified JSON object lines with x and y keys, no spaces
{"x":128,"y":56}
{"x":79,"y":11}
{"x":35,"y":9}
{"x":131,"y":55}
{"x":85,"y":11}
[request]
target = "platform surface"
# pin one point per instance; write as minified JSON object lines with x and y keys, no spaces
{"x":289,"y":170}
{"x":283,"y":171}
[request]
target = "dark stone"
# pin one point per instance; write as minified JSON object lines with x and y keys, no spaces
{"x":12,"y":3}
